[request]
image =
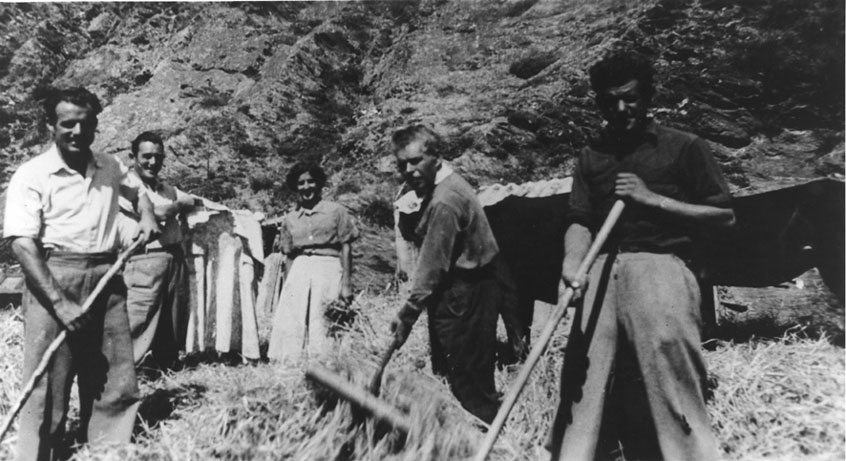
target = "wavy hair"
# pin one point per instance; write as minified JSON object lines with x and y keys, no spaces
{"x":315,"y":170}
{"x":618,"y":68}
{"x":78,"y":96}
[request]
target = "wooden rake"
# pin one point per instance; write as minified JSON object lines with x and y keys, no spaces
{"x":366,"y":399}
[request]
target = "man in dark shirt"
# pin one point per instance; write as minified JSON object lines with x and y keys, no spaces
{"x":633,"y":374}
{"x":455,"y":279}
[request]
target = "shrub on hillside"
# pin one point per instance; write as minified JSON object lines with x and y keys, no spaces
{"x":377,"y":210}
{"x":262,"y":182}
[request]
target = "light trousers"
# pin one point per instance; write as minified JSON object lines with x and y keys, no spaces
{"x":299,"y":323}
{"x":100,"y":355}
{"x":156,"y":286}
{"x":633,"y":373}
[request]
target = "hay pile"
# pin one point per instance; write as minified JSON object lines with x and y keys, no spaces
{"x":11,"y":358}
{"x":777,"y":398}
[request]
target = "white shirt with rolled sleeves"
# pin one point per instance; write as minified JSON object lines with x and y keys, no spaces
{"x":64,"y":210}
{"x":161,"y":194}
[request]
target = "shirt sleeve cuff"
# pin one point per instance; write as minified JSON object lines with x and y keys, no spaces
{"x":581,"y":218}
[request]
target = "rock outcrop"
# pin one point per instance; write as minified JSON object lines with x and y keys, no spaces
{"x":243,"y":90}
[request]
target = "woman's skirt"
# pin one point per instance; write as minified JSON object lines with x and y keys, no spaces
{"x":299,"y":324}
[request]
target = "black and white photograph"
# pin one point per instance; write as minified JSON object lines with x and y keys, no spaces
{"x":423,"y":230}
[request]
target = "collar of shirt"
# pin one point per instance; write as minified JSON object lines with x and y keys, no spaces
{"x":443,"y":171}
{"x":410,"y":203}
{"x":649,"y":134}
{"x":154,"y":184}
{"x":318,"y":208}
{"x":56,"y":163}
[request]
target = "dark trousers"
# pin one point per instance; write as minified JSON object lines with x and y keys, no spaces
{"x":516,"y":312}
{"x":462,"y":329}
{"x":100,"y":354}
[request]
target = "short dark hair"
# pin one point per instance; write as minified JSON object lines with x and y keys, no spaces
{"x":77,"y":95}
{"x":147,"y":136}
{"x":618,"y":68}
{"x":315,"y":170}
{"x":433,"y":143}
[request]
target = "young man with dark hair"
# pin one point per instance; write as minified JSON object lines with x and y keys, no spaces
{"x":157,"y":276}
{"x":61,"y":212}
{"x":455,"y":279}
{"x":633,"y":374}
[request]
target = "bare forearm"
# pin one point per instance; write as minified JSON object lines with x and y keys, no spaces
{"x":711,"y":216}
{"x":145,"y":208}
{"x":631,"y":187}
{"x":577,"y":240}
{"x":148,"y":226}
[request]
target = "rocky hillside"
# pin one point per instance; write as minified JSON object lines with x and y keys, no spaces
{"x":243,"y":90}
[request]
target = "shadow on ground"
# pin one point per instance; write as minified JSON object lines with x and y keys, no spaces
{"x":161,"y":403}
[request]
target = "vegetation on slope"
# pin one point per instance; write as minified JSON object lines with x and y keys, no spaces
{"x":242,"y":90}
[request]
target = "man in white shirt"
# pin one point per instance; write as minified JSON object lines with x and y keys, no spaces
{"x":61,"y":212}
{"x":156,"y":277}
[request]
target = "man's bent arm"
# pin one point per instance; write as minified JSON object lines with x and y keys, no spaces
{"x":577,"y":240}
{"x":346,"y":270}
{"x":148,"y":227}
{"x":41,"y":281}
{"x":434,"y":262}
{"x":712,"y":216}
{"x":435,"y":259}
{"x":183,"y":204}
{"x":629,"y":185}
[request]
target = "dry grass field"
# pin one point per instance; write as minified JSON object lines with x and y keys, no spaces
{"x":776,"y":397}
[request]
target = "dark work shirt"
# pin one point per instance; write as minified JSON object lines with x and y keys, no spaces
{"x":455,"y":235}
{"x":672,"y":163}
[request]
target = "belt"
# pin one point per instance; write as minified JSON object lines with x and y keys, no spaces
{"x":331,"y":252}
{"x":162,"y":249}
{"x":105,"y":257}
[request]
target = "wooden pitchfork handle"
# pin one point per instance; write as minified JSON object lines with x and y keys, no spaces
{"x":41,"y":369}
{"x":546,"y":335}
{"x":376,"y":381}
